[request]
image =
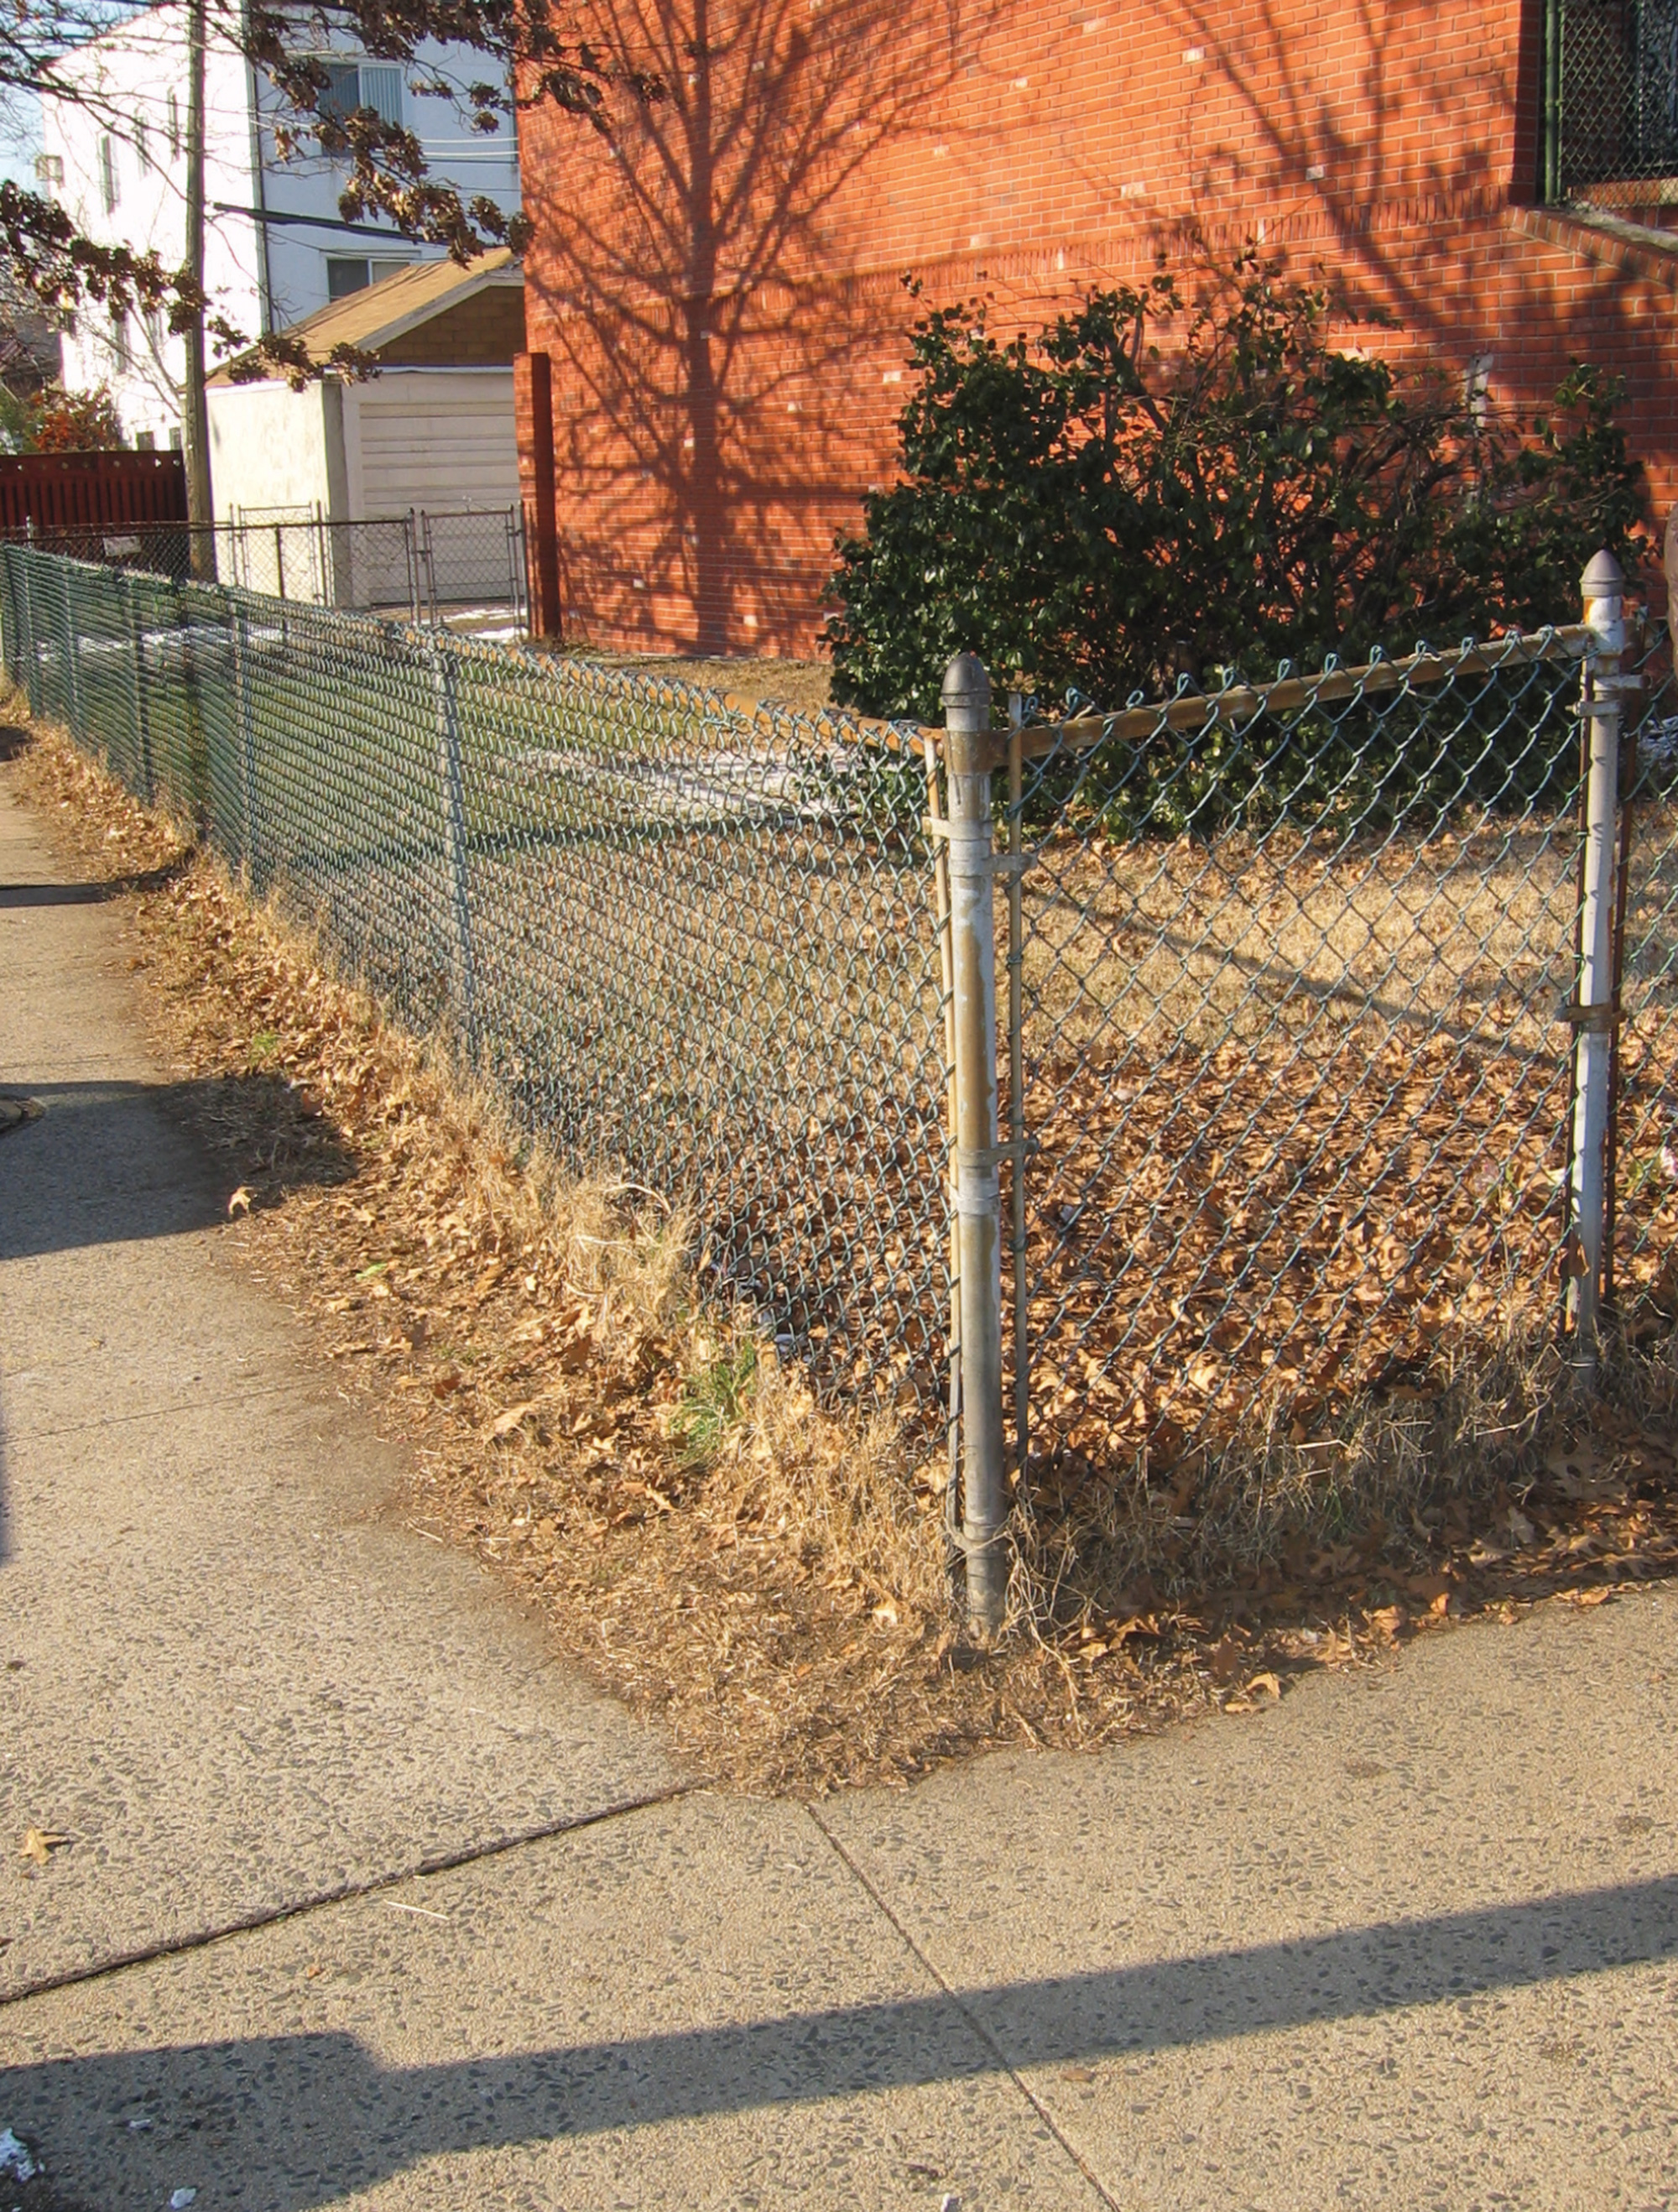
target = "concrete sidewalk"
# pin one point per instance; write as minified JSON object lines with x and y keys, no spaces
{"x":414,"y":1918}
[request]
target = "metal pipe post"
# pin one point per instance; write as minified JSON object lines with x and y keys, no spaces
{"x":72,"y":657}
{"x":1594,"y":1012}
{"x":145,"y":767}
{"x":243,"y":716}
{"x":428,"y":554}
{"x":464,"y":979}
{"x":978,"y":1198}
{"x":31,"y":675}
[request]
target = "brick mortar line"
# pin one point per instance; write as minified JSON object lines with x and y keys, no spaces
{"x":980,"y":2030}
{"x":349,"y":1891}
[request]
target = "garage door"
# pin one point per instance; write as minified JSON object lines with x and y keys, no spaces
{"x":443,"y":443}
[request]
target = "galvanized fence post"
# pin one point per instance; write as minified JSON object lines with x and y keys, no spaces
{"x":976,"y":1181}
{"x":145,"y":767}
{"x":72,"y":655}
{"x":1594,"y":1012}
{"x":245,"y":721}
{"x":463,"y":977}
{"x":32,"y":678}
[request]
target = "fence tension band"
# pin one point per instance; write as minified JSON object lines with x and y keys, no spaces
{"x":1599,"y":1020}
{"x":992,"y":1156}
{"x":992,"y":864}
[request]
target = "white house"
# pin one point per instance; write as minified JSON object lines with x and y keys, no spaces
{"x":276,"y":249}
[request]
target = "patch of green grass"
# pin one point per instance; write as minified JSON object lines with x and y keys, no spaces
{"x":714,"y":1397}
{"x":264,"y":1045}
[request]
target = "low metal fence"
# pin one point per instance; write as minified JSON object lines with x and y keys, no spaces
{"x":1088,"y":1090}
{"x":460,"y":569}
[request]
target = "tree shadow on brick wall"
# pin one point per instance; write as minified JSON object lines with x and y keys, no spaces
{"x":1321,"y":178}
{"x":716,"y":381}
{"x":1401,"y":195}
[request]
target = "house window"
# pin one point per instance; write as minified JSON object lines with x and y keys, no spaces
{"x":155,"y":331}
{"x":120,"y":352}
{"x":350,"y":85}
{"x":107,"y":173}
{"x":141,"y":147}
{"x":174,"y":128}
{"x":49,"y":169}
{"x":353,"y":272}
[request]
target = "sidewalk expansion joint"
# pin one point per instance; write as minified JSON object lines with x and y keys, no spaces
{"x":347,"y":1892}
{"x":981,"y":2031}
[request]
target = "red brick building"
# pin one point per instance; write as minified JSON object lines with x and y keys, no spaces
{"x":720,"y":290}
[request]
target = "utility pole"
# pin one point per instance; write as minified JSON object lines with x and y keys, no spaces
{"x":200,"y":508}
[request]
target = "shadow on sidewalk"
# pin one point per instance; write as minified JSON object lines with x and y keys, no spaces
{"x":315,"y":2115}
{"x":112,"y":1163}
{"x":18,"y":895}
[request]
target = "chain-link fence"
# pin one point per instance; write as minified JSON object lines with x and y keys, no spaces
{"x":687,"y":940}
{"x":1282,"y":1063}
{"x":1295,"y":1060}
{"x":1610,"y":98}
{"x":460,"y":568}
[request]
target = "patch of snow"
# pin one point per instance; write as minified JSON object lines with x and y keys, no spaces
{"x":15,"y":2159}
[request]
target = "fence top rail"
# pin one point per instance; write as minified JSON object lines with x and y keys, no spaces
{"x":1240,"y":703}
{"x":1245,"y":702}
{"x":837,"y":726}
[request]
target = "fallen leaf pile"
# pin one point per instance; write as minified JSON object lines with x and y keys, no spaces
{"x":778,"y":1599}
{"x":1363,"y":1160}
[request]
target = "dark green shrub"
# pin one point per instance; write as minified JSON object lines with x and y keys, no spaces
{"x":1154,"y":487}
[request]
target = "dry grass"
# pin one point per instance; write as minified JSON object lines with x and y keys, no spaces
{"x":704,"y":1539}
{"x":804,"y":684}
{"x":1163,"y":946}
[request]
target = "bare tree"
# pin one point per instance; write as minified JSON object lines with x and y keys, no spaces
{"x":531,"y":57}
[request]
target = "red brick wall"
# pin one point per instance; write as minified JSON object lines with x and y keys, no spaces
{"x":719,"y":291}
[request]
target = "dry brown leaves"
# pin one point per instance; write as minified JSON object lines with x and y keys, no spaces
{"x":782,"y":1610}
{"x":1297,"y":1121}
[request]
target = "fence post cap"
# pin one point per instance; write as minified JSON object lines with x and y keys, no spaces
{"x":1603,"y":578}
{"x":967,"y":687}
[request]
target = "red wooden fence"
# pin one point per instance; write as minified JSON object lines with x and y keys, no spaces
{"x":72,"y":491}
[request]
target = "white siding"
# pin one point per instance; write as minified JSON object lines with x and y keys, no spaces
{"x":269,"y":449}
{"x":436,"y":439}
{"x":134,"y":76}
{"x":440,"y":440}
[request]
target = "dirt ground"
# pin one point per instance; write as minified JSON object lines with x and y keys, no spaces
{"x":765,"y":1577}
{"x":805,"y":683}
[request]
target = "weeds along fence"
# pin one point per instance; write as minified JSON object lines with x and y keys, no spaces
{"x":1091,"y":1092}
